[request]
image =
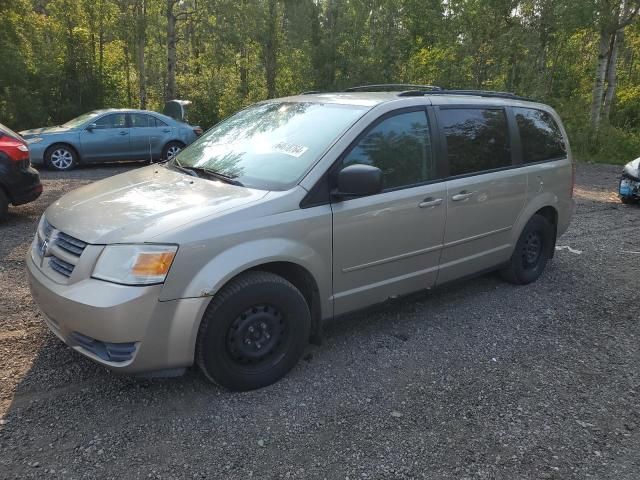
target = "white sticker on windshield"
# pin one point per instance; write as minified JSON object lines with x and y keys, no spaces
{"x":290,"y":149}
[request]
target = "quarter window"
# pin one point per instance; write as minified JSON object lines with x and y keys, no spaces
{"x":540,"y":135}
{"x":399,"y":146}
{"x":116,"y":120}
{"x":477,"y":139}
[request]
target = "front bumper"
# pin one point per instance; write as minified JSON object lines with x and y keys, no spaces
{"x":121,"y":327}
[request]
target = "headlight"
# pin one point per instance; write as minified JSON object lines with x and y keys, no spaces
{"x":33,"y":140}
{"x":135,"y":264}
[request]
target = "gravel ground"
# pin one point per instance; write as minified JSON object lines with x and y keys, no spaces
{"x":478,"y":380}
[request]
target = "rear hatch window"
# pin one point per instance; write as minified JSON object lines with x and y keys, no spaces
{"x":6,"y":131}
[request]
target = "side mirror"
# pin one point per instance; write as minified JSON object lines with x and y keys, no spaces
{"x":92,"y":126}
{"x":359,"y":180}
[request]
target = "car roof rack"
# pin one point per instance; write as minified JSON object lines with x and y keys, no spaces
{"x":310,"y":92}
{"x":474,"y":93}
{"x":393,"y":87}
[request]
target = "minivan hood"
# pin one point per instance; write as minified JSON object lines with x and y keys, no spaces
{"x":141,"y":204}
{"x":34,"y":132}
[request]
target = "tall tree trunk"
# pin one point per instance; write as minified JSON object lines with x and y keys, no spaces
{"x":598,"y":83}
{"x":270,"y":48}
{"x":170,"y":92}
{"x":141,"y":37}
{"x":127,"y":63}
{"x":612,"y":74}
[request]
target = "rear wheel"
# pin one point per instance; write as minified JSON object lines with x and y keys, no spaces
{"x":61,"y":157}
{"x":628,"y":200}
{"x":254,"y":331}
{"x":4,"y":206}
{"x":171,"y":149}
{"x":532,"y":252}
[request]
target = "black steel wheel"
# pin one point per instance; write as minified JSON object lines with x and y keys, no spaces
{"x":253,"y":332}
{"x":533,"y":249}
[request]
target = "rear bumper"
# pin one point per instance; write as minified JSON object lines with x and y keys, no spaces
{"x":124,"y":328}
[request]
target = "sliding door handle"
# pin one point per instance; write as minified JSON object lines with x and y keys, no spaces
{"x":430,"y":202}
{"x":463,"y":195}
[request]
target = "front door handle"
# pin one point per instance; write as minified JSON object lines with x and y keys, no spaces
{"x":430,"y":202}
{"x":166,"y":130}
{"x":124,"y":133}
{"x":463,"y":195}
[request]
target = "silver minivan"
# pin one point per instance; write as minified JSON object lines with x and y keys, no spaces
{"x":294,"y":211}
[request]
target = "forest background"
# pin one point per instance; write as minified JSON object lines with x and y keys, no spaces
{"x":61,"y":58}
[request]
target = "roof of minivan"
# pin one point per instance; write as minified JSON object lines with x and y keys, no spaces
{"x":371,"y":99}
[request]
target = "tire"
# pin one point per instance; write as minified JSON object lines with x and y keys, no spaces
{"x":171,"y":149}
{"x":61,"y":157}
{"x":533,"y":250}
{"x":253,"y":332}
{"x":628,"y":201}
{"x":4,"y":206}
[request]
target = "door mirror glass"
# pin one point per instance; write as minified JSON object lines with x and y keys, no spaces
{"x":359,"y":180}
{"x":92,"y":126}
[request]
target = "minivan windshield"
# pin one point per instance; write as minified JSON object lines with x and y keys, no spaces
{"x":271,"y":145}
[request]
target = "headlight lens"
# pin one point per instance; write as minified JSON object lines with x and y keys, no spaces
{"x":33,"y":140}
{"x":135,"y":264}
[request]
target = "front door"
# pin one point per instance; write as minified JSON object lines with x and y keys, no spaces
{"x":486,"y":192}
{"x":390,"y":243}
{"x":108,"y":141}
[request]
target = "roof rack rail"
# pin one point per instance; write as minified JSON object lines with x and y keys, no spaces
{"x":310,"y":92}
{"x":392,"y":87}
{"x":475,"y":93}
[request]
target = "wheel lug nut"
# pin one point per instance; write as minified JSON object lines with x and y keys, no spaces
{"x":247,"y":341}
{"x":263,"y":326}
{"x":251,"y":329}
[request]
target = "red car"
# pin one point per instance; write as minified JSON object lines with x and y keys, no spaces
{"x":19,"y":182}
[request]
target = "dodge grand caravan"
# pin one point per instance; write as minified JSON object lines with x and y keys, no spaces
{"x":293,"y":211}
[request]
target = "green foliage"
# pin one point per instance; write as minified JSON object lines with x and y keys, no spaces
{"x":61,"y":58}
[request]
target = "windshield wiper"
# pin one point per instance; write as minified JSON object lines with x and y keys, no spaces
{"x":218,"y":176}
{"x":176,"y":164}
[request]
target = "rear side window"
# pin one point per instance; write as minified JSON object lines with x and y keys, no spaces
{"x":399,"y":146}
{"x":540,"y":135}
{"x":477,"y":139}
{"x":142,"y":120}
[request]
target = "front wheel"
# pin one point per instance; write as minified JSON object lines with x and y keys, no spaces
{"x":253,"y":332}
{"x":532,"y":252}
{"x":61,"y":157}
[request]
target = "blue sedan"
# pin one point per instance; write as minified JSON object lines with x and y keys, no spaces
{"x":108,"y":136}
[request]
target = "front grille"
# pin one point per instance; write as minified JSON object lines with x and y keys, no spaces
{"x":70,"y":244}
{"x":61,"y":266}
{"x":62,"y":250}
{"x":111,"y":352}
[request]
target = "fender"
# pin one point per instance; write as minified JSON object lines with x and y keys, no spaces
{"x":215,"y":273}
